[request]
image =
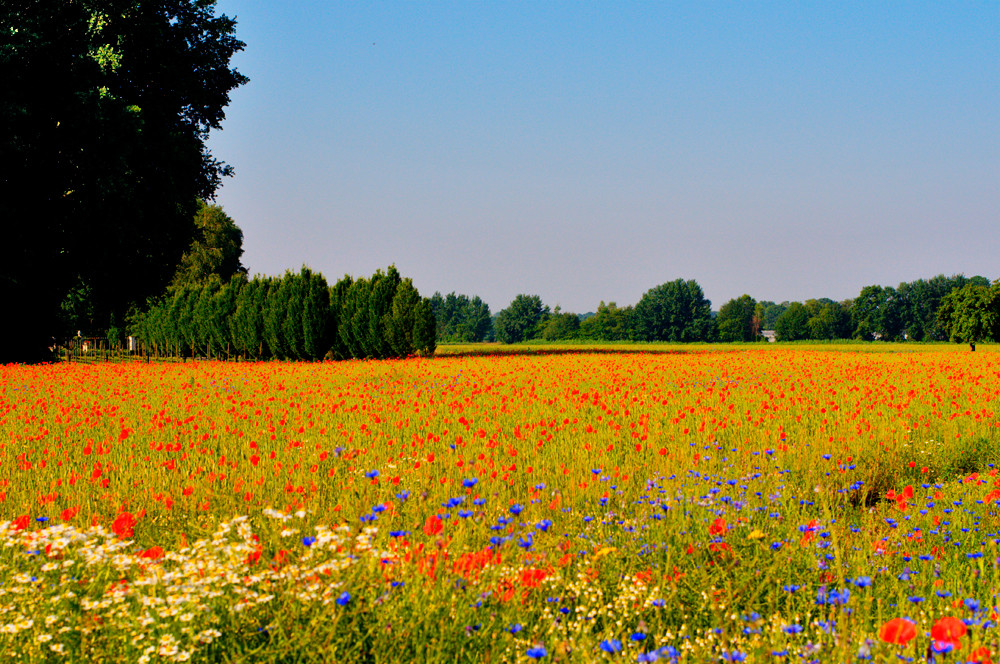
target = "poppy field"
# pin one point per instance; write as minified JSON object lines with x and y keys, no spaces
{"x":758,"y":505}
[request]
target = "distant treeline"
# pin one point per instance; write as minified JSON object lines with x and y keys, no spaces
{"x":293,"y":317}
{"x":678,"y":311}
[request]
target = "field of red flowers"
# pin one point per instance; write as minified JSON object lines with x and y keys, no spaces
{"x":754,"y":505}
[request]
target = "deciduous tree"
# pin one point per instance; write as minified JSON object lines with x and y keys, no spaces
{"x":105,"y":107}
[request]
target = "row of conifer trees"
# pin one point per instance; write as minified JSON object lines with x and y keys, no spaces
{"x":292,"y":317}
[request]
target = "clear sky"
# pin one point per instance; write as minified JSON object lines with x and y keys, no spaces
{"x":588,"y":151}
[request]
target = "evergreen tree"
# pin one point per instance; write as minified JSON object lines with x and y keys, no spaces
{"x":424,"y":328}
{"x":275,"y":306}
{"x":315,"y":315}
{"x":292,"y":333}
{"x":402,"y":318}
{"x":338,"y":294}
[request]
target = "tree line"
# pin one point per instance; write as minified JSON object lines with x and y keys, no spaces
{"x":297,"y":316}
{"x":941,"y":308}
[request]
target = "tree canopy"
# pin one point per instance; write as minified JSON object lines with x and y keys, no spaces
{"x":461,"y":318}
{"x":522,"y":319}
{"x":971,"y":313}
{"x":736,"y":320}
{"x":106,"y":106}
{"x":214,"y":253}
{"x":674,"y":311}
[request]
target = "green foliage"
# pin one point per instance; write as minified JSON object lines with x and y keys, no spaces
{"x":460,"y":318}
{"x":521,"y":320}
{"x":106,"y":107}
{"x":908,"y":311}
{"x":76,"y":311}
{"x":291,"y":318}
{"x":424,"y":327}
{"x":247,"y":324}
{"x":610,"y":323}
{"x":971,"y":313}
{"x":828,"y":319}
{"x":878,"y":314}
{"x":380,"y":317}
{"x":770,"y":313}
{"x":275,"y":308}
{"x":793,"y":324}
{"x":736,"y":320}
{"x":353,"y":310}
{"x":399,"y":326}
{"x":215,"y":252}
{"x":338,"y":293}
{"x":315,"y":315}
{"x":379,"y":313}
{"x":674,"y":311}
{"x":561,"y":326}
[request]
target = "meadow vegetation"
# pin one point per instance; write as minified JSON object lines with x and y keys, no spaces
{"x":725,"y":503}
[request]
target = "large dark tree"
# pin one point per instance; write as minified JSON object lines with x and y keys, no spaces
{"x":523,"y":319}
{"x":793,"y":323}
{"x":609,"y":323}
{"x":736,"y":319}
{"x":971,"y":313}
{"x":215,"y":252}
{"x":674,"y":311}
{"x":460,"y":318}
{"x":105,"y":107}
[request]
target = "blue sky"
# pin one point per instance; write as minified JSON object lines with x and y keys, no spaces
{"x":588,"y":151}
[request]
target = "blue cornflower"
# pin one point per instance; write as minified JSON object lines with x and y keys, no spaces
{"x":544,"y":525}
{"x":465,"y":514}
{"x":469,"y":482}
{"x":371,"y":474}
{"x":344,"y":598}
{"x":403,"y":495}
{"x":537,"y":652}
{"x":516,"y":509}
{"x":515,"y":628}
{"x":611,"y":645}
{"x":308,"y":541}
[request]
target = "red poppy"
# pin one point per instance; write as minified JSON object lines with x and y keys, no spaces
{"x":948,"y":629}
{"x":981,"y":656}
{"x":433,"y":525}
{"x":152,"y":553}
{"x":718,"y":527}
{"x":124,"y":525}
{"x":899,"y":631}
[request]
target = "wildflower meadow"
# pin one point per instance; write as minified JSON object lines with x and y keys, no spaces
{"x":678,"y":505}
